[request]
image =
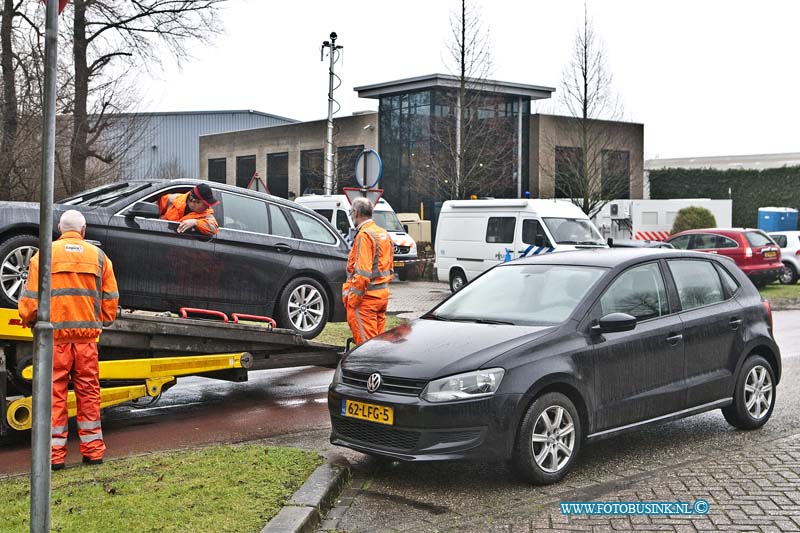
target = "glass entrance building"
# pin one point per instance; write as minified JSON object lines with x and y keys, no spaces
{"x":429,"y":155}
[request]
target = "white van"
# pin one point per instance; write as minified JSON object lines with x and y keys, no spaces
{"x":336,"y":208}
{"x":474,"y":235}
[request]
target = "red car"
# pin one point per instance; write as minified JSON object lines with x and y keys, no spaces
{"x":752,"y":250}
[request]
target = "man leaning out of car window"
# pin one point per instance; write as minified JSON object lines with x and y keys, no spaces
{"x":192,"y":209}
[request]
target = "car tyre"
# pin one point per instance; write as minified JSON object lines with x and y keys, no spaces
{"x":754,"y":396}
{"x":15,"y":254}
{"x":457,"y":280}
{"x":548,"y":440}
{"x":789,"y":275}
{"x":402,"y":274}
{"x":304,"y":307}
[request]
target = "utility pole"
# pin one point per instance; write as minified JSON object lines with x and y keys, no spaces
{"x":329,"y":151}
{"x":43,"y":330}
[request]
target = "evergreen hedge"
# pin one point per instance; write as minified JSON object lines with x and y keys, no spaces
{"x":749,"y":189}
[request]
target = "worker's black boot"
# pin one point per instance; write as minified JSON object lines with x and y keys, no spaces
{"x":92,"y":461}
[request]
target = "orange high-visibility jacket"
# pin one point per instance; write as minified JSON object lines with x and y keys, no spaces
{"x":173,"y":207}
{"x":83,"y":292}
{"x":369,"y":266}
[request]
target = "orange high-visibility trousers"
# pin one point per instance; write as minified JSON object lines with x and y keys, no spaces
{"x":78,"y":359}
{"x":368,"y":319}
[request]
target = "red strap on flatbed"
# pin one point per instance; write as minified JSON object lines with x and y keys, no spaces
{"x":209,"y":312}
{"x":255,"y":318}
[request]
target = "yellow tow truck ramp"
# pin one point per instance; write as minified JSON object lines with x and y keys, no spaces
{"x":156,"y":373}
{"x":145,"y":354}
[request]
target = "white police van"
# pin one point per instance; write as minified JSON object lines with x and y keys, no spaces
{"x":474,"y":235}
{"x":336,"y":209}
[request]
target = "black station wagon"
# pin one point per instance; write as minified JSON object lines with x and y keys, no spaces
{"x":539,"y":356}
{"x":271,"y":257}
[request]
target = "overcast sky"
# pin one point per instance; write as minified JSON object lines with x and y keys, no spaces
{"x":705,"y":77}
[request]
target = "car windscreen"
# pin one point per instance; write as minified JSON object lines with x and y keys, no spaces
{"x":387,"y":220}
{"x":104,"y":195}
{"x":524,"y":295}
{"x":573,"y":231}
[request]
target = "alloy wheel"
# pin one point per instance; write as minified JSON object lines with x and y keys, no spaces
{"x":758,"y":392}
{"x":553,"y":439}
{"x":787,"y":276}
{"x":14,"y":271}
{"x":306,"y":307}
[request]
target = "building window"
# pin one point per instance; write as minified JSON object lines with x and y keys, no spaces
{"x":569,"y":172}
{"x":217,"y":171}
{"x":245,"y":169}
{"x":616,"y":178}
{"x":278,"y":174}
{"x":312,"y":166}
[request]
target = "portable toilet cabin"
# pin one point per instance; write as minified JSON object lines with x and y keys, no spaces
{"x":777,"y":218}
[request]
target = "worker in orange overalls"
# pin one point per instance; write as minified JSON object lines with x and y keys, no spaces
{"x":369,"y":272}
{"x":83,"y":299}
{"x":192,"y":209}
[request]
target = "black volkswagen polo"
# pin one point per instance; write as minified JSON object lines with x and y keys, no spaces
{"x":539,"y":356}
{"x":271,"y":257}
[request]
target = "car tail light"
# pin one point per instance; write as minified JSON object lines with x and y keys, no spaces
{"x":748,"y":252}
{"x":769,"y":312}
{"x":797,"y":252}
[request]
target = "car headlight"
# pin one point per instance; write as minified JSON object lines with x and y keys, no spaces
{"x":413,"y":250}
{"x":466,"y":386}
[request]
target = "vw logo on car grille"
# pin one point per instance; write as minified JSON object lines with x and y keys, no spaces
{"x":374,"y":382}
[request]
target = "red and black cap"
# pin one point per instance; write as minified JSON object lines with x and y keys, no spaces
{"x":204,"y":193}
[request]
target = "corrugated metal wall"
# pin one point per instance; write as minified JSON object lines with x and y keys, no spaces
{"x":167,"y":145}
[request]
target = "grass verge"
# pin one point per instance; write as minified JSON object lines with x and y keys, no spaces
{"x":222,"y":488}
{"x":337,"y":333}
{"x":782,"y":296}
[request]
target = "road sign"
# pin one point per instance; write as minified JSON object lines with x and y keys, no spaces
{"x":368,"y":168}
{"x":257,"y":184}
{"x":373,"y":195}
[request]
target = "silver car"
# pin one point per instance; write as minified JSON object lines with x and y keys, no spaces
{"x":789,"y":241}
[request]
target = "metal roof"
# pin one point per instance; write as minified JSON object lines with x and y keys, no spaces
{"x":535,"y":92}
{"x":755,"y":161}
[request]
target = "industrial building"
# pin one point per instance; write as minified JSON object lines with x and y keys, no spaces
{"x":522,"y":155}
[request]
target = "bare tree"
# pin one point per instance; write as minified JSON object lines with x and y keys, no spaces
{"x":472,"y":127}
{"x":110,"y":37}
{"x":589,"y":168}
{"x":20,"y":57}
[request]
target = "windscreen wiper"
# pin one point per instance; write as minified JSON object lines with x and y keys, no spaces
{"x":435,"y":317}
{"x":482,"y":321}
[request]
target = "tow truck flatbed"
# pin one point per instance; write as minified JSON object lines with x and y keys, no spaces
{"x":182,"y":342}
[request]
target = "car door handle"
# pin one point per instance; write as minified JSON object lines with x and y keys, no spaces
{"x":283,"y":248}
{"x":674,"y":338}
{"x":735,"y":322}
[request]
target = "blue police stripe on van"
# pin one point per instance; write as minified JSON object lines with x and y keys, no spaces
{"x":537,"y":250}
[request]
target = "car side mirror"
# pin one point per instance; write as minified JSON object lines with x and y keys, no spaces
{"x":144,"y":209}
{"x":614,"y":323}
{"x":610,"y":242}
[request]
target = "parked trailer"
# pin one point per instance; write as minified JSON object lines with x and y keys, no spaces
{"x":651,"y":220}
{"x":143,"y":355}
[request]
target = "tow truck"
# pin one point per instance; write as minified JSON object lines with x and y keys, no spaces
{"x":143,"y":355}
